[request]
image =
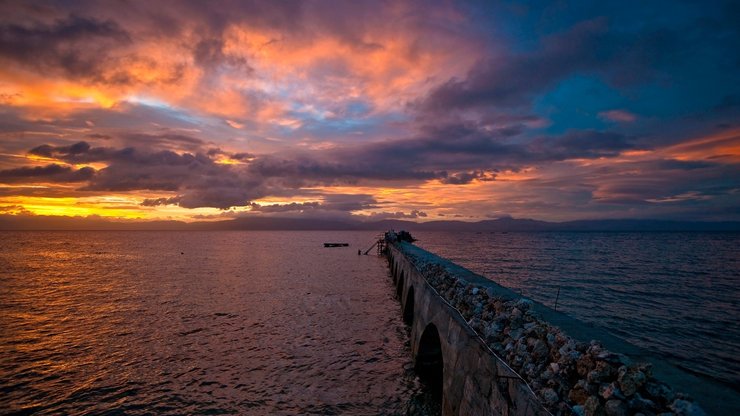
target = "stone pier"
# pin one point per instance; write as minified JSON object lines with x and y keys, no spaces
{"x":452,"y":357}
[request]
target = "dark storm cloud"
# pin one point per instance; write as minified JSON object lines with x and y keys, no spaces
{"x":462,"y":178}
{"x":132,"y":177}
{"x":201,"y":181}
{"x":46,"y":150}
{"x":82,"y":152}
{"x":330,"y":170}
{"x":581,"y":144}
{"x":446,"y":153}
{"x":171,"y":141}
{"x":66,"y":38}
{"x":164,"y":129}
{"x":209,"y":53}
{"x":455,"y":154}
{"x":666,"y":181}
{"x":77,"y":46}
{"x":155,"y":202}
{"x":50,"y":173}
{"x":349,"y":202}
{"x":515,"y":78}
{"x":436,"y":150}
{"x":222,"y":197}
{"x":465,"y":148}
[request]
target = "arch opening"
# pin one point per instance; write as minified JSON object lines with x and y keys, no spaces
{"x":408,"y":308}
{"x":399,"y":288}
{"x":429,"y":365}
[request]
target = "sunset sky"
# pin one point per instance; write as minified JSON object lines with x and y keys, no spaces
{"x":200,"y":110}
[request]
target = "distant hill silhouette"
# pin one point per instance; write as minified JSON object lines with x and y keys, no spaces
{"x":528,"y":225}
{"x":31,"y":222}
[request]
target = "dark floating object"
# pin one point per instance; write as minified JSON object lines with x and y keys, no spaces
{"x":336,"y":244}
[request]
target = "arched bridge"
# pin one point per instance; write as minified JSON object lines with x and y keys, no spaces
{"x":450,"y":357}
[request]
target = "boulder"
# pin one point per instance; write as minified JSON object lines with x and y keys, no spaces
{"x":610,"y":391}
{"x":578,"y":393}
{"x":616,"y":407}
{"x":540,"y":350}
{"x":584,"y":365}
{"x":549,"y":396}
{"x":593,"y":407}
{"x":602,"y":373}
{"x":630,"y":380}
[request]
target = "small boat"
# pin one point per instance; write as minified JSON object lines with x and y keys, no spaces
{"x":336,"y":244}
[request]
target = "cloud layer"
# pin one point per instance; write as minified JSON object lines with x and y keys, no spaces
{"x":378,"y":110}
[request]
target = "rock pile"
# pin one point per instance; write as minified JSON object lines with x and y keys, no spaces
{"x":569,"y":377}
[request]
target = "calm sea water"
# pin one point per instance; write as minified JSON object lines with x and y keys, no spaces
{"x":273,"y":323}
{"x":673,"y":293}
{"x":199,"y":322}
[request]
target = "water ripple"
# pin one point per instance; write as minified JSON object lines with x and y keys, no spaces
{"x":672,"y":293}
{"x":257,"y":323}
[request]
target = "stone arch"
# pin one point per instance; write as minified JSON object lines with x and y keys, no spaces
{"x":399,"y":288}
{"x":408,"y":307}
{"x":429,"y":363}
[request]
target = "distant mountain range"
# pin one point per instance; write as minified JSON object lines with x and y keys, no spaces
{"x":528,"y":225}
{"x":21,"y":222}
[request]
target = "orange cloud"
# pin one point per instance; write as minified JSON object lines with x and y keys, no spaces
{"x":722,"y":147}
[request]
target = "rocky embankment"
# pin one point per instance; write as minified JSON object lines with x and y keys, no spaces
{"x":569,"y":377}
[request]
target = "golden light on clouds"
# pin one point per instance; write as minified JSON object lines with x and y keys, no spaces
{"x":69,"y":206}
{"x":359,"y":111}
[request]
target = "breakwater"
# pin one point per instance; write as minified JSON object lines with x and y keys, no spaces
{"x":492,"y":352}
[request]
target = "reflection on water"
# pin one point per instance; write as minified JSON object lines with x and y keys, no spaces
{"x":199,"y":322}
{"x":676,"y":294}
